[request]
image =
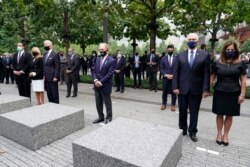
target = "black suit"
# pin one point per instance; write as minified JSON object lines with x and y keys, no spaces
{"x":8,"y":69}
{"x":136,"y":69}
{"x":23,"y":64}
{"x":51,"y":69}
{"x":73,"y":64}
{"x":152,"y":70}
{"x":119,"y":77}
{"x":191,"y":82}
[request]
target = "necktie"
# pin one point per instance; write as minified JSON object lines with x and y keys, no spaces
{"x":47,"y":56}
{"x":169,"y":60}
{"x":18,"y":57}
{"x":101,"y":62}
{"x":191,"y":58}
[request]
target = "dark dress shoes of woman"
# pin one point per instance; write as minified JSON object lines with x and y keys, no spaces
{"x":219,"y":142}
{"x":225,"y":143}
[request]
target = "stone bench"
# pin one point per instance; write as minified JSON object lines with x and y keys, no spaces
{"x":13,"y":102}
{"x":132,"y":143}
{"x":41,"y":125}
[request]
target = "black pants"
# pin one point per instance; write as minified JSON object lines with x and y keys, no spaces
{"x":9,"y":74}
{"x":2,"y":74}
{"x":52,"y":91}
{"x":152,"y":80}
{"x":119,"y":81}
{"x":137,"y":74}
{"x":193,"y":103}
{"x":99,"y":99}
{"x":23,"y":84}
{"x":167,"y":89}
{"x":72,"y":80}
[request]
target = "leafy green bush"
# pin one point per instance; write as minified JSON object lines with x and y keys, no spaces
{"x":145,"y":85}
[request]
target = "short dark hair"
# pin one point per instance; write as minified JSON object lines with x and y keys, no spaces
{"x":170,"y":46}
{"x":203,"y":46}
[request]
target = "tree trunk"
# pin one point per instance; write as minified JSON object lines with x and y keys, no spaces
{"x":83,"y":46}
{"x":213,"y":41}
{"x":153,"y":32}
{"x":66,"y":30}
{"x":134,"y":45}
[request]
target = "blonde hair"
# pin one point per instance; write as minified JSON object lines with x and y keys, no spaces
{"x":36,"y":49}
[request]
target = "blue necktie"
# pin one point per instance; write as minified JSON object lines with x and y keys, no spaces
{"x":191,"y":59}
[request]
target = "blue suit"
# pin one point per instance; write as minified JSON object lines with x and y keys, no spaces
{"x":104,"y":74}
{"x":191,"y":82}
{"x":167,"y":68}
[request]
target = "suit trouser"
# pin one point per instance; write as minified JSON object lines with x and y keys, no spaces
{"x":23,"y":84}
{"x":2,"y":74}
{"x":72,"y":80}
{"x":119,"y":81}
{"x":100,"y":97}
{"x":137,"y":72}
{"x":167,"y":89}
{"x":153,"y":80}
{"x":63,"y":74}
{"x":52,"y":91}
{"x":193,"y":103}
{"x":9,"y":74}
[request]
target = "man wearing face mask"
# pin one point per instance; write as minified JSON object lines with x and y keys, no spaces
{"x":21,"y":67}
{"x":152,"y":62}
{"x":72,"y":72}
{"x":102,"y":77}
{"x":137,"y":63}
{"x":119,"y":72}
{"x":51,"y":63}
{"x":166,"y":67}
{"x":191,"y":83}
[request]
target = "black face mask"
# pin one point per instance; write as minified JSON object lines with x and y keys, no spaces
{"x":170,"y":53}
{"x":47,"y":48}
{"x":153,"y":52}
{"x":34,"y":53}
{"x":102,"y":54}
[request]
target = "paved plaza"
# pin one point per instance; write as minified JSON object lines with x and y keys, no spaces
{"x":142,"y":105}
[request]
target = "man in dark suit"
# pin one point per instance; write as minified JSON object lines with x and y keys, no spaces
{"x":21,"y":67}
{"x":73,"y":65}
{"x":2,"y":75}
{"x":152,"y":62}
{"x":166,"y":67}
{"x":137,"y":65}
{"x":102,"y":76}
{"x":119,"y":72}
{"x":8,"y":68}
{"x":51,"y":69}
{"x":191,"y":82}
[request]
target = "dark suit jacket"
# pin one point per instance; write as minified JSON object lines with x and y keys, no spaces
{"x":133,"y":62}
{"x":194,"y":79}
{"x":36,"y":66}
{"x":73,"y":64}
{"x":165,"y":67}
{"x":105,"y":74}
{"x":121,"y":65}
{"x":51,"y":68}
{"x":6,"y":63}
{"x":155,"y":59}
{"x":24,"y":62}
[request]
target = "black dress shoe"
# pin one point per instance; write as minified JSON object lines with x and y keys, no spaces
{"x":108,"y":121}
{"x":67,"y":96}
{"x":122,"y":91}
{"x":193,"y":138}
{"x":219,"y":142}
{"x":117,"y":91}
{"x":225,"y":143}
{"x":184,"y":133}
{"x":74,"y":96}
{"x":155,"y":90}
{"x":98,"y":120}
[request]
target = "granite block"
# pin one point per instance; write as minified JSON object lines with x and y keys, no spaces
{"x":41,"y":125}
{"x":10,"y":103}
{"x":130,"y":143}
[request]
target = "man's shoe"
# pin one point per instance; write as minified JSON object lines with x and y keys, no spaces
{"x":184,"y":133}
{"x":98,"y":120}
{"x":155,"y":90}
{"x":67,"y":96}
{"x":122,"y":91}
{"x":163,"y":107}
{"x":117,"y":91}
{"x":74,"y":95}
{"x":193,"y":138}
{"x":108,"y":121}
{"x":172,"y":108}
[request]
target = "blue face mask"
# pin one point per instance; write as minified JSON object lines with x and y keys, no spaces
{"x":192,"y":44}
{"x":229,"y":54}
{"x":70,"y":53}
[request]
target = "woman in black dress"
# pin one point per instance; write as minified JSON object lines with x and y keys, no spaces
{"x":229,"y":90}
